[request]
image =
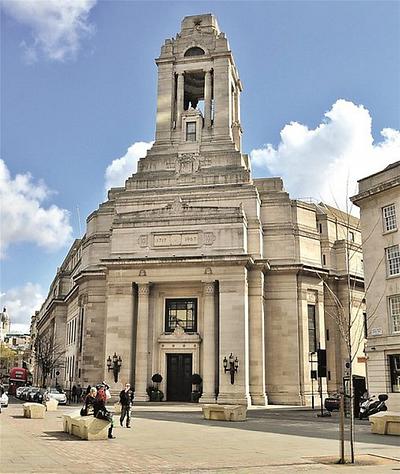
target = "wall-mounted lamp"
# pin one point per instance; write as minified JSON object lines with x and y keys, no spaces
{"x":231,"y":365}
{"x":114,"y":365}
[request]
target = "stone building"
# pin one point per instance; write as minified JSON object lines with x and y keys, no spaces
{"x":379,"y":201}
{"x":193,"y":260}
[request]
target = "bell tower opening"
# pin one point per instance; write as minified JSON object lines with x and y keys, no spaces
{"x":197,"y":72}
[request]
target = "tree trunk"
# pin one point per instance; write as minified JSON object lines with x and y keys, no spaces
{"x":351,"y":395}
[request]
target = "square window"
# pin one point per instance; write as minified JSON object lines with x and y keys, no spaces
{"x":393,"y":260}
{"x":389,"y":218}
{"x":394,"y":307}
{"x":190,"y":131}
{"x":181,"y":312}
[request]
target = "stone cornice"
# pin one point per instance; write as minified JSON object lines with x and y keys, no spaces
{"x":95,"y":274}
{"x":375,"y":190}
{"x":215,"y":260}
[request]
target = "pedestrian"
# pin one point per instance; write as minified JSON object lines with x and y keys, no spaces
{"x":101,"y":412}
{"x":90,"y":401}
{"x":79,"y":393}
{"x":74,"y":394}
{"x":126,"y":401}
{"x":88,"y":390}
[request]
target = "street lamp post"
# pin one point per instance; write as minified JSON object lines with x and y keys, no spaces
{"x":114,"y":364}
{"x":231,"y":365}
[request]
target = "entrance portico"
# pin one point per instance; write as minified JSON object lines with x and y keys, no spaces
{"x":201,"y":316}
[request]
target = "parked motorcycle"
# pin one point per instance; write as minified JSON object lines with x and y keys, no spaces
{"x":372,"y":405}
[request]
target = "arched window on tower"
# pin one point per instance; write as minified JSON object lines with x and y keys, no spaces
{"x":195,"y":51}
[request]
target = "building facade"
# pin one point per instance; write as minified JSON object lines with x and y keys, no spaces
{"x":194,"y":261}
{"x":379,"y":201}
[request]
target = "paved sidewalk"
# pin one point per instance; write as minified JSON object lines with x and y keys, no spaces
{"x":173,"y":438}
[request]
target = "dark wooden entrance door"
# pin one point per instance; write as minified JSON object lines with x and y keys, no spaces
{"x":179,"y":373}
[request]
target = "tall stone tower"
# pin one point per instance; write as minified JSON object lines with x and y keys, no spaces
{"x":198,"y":109}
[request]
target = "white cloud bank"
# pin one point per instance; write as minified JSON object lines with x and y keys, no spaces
{"x":326,"y":162}
{"x":58,"y":26}
{"x":21,"y":303}
{"x":122,"y":168}
{"x":22,"y":217}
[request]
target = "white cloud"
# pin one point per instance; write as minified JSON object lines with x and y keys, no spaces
{"x":58,"y":26}
{"x":22,"y":217}
{"x":320,"y":162}
{"x":122,"y":168}
{"x":21,"y":303}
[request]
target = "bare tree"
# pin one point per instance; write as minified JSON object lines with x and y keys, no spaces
{"x":348,"y":308}
{"x":48,"y":355}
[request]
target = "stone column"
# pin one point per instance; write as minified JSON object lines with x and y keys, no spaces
{"x":142,"y":342}
{"x":209,"y":343}
{"x":234,"y":338}
{"x":179,"y":99}
{"x":207,"y":99}
{"x":256,"y":338}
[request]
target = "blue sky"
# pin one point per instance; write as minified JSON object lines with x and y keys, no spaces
{"x":321,"y":82}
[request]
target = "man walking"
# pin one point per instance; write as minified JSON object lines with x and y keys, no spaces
{"x":126,"y":401}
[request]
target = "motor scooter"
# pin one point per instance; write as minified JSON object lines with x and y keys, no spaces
{"x":372,"y":405}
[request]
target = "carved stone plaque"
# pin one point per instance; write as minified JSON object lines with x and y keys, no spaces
{"x":176,"y":240}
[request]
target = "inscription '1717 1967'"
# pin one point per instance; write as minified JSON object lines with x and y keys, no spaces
{"x":173,"y":240}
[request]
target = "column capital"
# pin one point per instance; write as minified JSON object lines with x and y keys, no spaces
{"x":209,"y":287}
{"x":143,"y":288}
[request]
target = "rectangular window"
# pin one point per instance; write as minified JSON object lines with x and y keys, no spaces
{"x":394,"y":365}
{"x":351,"y":236}
{"x":181,"y":313}
{"x":394,"y":305}
{"x":190,"y":131}
{"x":393,"y":260}
{"x":312,"y":329}
{"x":389,"y":218}
{"x":323,"y":259}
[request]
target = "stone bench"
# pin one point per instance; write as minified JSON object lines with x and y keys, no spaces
{"x":225,"y":412}
{"x":67,"y":421}
{"x":51,"y":405}
{"x":86,"y":427}
{"x":34,"y":410}
{"x":386,"y":423}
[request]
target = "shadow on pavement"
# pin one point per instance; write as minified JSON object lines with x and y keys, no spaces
{"x":294,"y":423}
{"x":60,"y":436}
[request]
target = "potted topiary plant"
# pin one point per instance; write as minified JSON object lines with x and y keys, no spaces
{"x":154,"y":393}
{"x":198,"y":390}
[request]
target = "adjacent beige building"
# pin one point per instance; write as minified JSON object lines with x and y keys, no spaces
{"x":194,"y":260}
{"x":379,"y":201}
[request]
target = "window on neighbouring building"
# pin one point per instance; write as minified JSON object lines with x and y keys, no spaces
{"x":181,"y":312}
{"x":190,"y":131}
{"x":394,"y":366}
{"x":312,"y":329}
{"x":393,"y":260}
{"x":389,"y":217}
{"x":323,"y":259}
{"x":351,"y":236}
{"x":394,"y":306}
